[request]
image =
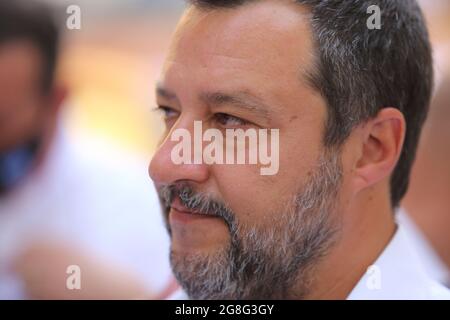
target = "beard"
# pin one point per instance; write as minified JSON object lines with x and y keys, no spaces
{"x":273,"y":261}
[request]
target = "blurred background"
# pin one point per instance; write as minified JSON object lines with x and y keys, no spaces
{"x":114,"y":61}
{"x":90,"y":200}
{"x":110,"y":67}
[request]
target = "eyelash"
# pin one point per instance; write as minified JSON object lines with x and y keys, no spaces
{"x":218,"y":117}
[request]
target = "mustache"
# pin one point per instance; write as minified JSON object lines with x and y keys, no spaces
{"x":197,"y":202}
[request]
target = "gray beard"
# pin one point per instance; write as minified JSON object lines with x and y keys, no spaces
{"x":274,"y":262}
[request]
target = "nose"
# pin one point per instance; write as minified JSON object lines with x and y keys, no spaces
{"x":163,"y":170}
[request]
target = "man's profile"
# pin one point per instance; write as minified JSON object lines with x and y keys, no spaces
{"x":349,"y":103}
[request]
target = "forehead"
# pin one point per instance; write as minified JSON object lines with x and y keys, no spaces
{"x":265,"y":42}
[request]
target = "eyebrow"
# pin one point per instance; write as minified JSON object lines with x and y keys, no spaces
{"x":241,"y":99}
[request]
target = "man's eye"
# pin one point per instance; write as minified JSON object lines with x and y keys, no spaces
{"x":167,"y":112}
{"x":227,"y":120}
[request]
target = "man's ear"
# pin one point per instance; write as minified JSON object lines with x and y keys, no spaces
{"x":381,"y":146}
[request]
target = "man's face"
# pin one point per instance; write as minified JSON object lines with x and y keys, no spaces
{"x":21,"y":96}
{"x":254,"y":235}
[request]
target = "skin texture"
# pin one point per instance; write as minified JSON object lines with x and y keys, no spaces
{"x":263,"y":49}
{"x":43,"y":264}
{"x":427,"y":200}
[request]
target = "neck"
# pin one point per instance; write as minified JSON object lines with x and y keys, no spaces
{"x":366,"y":229}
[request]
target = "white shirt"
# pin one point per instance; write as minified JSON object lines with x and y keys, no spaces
{"x":96,"y":198}
{"x":397,"y":274}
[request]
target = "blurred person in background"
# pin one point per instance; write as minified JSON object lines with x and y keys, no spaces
{"x":59,"y":204}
